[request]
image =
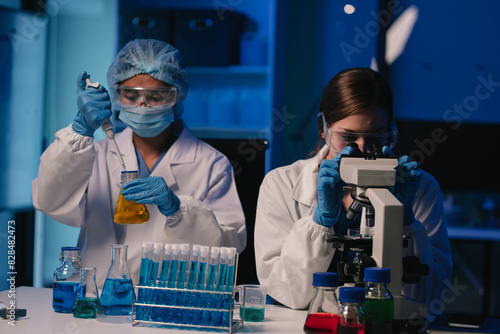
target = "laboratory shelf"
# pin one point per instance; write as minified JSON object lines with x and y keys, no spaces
{"x":229,"y":70}
{"x":474,"y":233}
{"x":230,"y":132}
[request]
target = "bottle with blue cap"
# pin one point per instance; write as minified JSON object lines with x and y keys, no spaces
{"x":322,"y":316}
{"x":66,"y":280}
{"x":352,"y":315}
{"x":379,"y":304}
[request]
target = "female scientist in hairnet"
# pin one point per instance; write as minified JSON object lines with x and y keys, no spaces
{"x":188,"y":185}
{"x":301,"y":205}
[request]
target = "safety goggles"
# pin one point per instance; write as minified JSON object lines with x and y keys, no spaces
{"x":338,"y":140}
{"x":148,"y":97}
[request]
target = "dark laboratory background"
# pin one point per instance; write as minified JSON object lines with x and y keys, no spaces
{"x":256,"y":70}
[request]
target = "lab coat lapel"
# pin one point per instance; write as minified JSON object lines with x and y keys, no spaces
{"x":304,"y":188}
{"x":183,"y":151}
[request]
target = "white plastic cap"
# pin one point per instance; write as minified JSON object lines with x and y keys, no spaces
{"x":204,"y":250}
{"x":184,"y":248}
{"x":231,"y":252}
{"x":167,"y":249}
{"x":196,"y":249}
{"x":158,"y":247}
{"x":176,"y":248}
{"x":214,"y":252}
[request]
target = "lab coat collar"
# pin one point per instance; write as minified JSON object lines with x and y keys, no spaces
{"x":304,"y":188}
{"x":181,"y":152}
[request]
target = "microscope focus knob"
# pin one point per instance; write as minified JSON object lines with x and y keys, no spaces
{"x":413,"y":270}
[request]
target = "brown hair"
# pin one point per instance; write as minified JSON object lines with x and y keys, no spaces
{"x":351,"y":91}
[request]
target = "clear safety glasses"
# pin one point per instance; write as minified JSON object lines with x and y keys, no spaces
{"x":338,"y":140}
{"x":148,"y":97}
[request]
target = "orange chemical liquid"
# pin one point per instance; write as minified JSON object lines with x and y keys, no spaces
{"x":130,"y":212}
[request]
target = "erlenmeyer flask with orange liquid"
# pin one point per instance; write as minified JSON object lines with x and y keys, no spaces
{"x":130,"y":212}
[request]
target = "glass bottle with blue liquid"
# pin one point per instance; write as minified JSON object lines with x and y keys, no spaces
{"x":66,"y":280}
{"x":117,"y":293}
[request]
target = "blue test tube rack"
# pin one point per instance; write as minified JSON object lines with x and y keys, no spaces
{"x":227,"y":317}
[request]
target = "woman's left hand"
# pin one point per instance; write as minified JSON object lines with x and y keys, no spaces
{"x":152,"y":190}
{"x":407,"y":181}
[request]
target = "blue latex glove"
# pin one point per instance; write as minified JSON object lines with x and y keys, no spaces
{"x":407,"y":181}
{"x":94,"y":106}
{"x":330,"y":191}
{"x":152,"y":190}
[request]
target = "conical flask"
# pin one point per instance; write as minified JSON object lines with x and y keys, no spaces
{"x":117,"y":294}
{"x":130,"y":212}
{"x":87,"y":304}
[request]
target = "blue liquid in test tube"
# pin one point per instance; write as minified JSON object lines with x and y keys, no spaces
{"x":147,"y":250}
{"x":171,"y":283}
{"x":219,"y":298}
{"x":229,"y":284}
{"x":210,"y":285}
{"x":153,"y":273}
{"x":188,"y":297}
{"x":181,"y":282}
{"x":197,"y":300}
{"x":160,"y":297}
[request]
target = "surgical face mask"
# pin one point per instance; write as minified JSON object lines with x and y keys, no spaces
{"x":147,"y":121}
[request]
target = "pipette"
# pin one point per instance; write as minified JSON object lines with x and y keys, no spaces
{"x":107,"y":127}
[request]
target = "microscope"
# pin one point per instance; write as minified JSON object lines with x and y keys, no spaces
{"x":380,"y":241}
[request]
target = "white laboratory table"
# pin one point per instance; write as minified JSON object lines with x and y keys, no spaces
{"x":42,"y":319}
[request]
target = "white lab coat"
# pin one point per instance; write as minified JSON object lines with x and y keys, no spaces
{"x":290,"y":246}
{"x":78,"y":184}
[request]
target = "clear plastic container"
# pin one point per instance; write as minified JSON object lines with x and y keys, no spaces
{"x":66,"y":279}
{"x":130,"y":212}
{"x":322,"y":316}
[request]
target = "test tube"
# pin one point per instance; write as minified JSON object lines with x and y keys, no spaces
{"x":200,"y":284}
{"x":155,"y":257}
{"x":190,"y":296}
{"x":147,"y":248}
{"x":171,"y":283}
{"x":228,"y":285}
{"x":181,"y":282}
{"x":221,"y":277}
{"x":162,"y":281}
{"x":210,"y":284}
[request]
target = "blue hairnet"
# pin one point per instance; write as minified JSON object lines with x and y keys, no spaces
{"x":156,"y":58}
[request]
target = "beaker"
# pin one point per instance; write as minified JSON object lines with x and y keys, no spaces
{"x":87,"y":304}
{"x":130,"y":212}
{"x":117,"y":293}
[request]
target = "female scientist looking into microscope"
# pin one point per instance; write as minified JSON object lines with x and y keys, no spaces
{"x":301,"y":205}
{"x":188,"y":185}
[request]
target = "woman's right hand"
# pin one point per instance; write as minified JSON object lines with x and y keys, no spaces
{"x":94,"y":106}
{"x":330,"y":190}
